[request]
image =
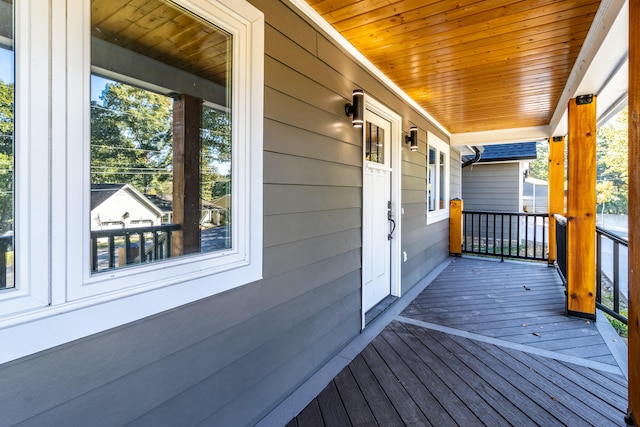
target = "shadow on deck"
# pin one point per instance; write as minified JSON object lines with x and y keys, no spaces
{"x":485,"y":343}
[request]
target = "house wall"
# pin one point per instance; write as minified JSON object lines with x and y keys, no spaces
{"x":536,"y":197}
{"x":492,"y":187}
{"x":229,"y":359}
{"x":456,"y":175}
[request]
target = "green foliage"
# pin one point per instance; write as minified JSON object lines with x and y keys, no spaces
{"x":131,"y":134}
{"x":612,"y":167}
{"x":539,"y":168}
{"x":132,"y":142}
{"x":215,"y":154}
{"x":621,"y":328}
{"x":6,"y":156}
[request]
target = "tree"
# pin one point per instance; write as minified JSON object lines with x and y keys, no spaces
{"x":539,"y":168}
{"x":216,"y":154}
{"x":6,"y":156}
{"x":605,"y":193}
{"x":131,"y":135}
{"x":612,"y":158}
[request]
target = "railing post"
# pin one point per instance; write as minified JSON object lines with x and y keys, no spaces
{"x":455,"y":227}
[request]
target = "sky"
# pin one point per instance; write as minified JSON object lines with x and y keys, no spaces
{"x":6,"y":65}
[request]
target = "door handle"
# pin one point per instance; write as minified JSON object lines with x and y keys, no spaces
{"x":391,"y":220}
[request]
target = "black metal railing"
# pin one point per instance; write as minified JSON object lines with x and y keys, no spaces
{"x":123,"y":246}
{"x":611,"y":283}
{"x":506,"y":234}
{"x":611,"y":264}
{"x":561,"y":247}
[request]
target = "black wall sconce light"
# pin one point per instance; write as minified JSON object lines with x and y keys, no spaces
{"x":356,"y":109}
{"x":412,"y":138}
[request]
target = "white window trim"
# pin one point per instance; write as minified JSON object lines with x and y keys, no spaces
{"x":441,"y":147}
{"x":78,"y":304}
{"x":31,"y":129}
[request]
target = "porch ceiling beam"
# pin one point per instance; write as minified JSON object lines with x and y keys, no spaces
{"x":501,"y":136}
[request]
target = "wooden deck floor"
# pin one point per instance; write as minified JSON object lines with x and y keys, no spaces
{"x":486,"y":343}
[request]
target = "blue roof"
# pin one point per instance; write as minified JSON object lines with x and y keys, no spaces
{"x":509,"y":152}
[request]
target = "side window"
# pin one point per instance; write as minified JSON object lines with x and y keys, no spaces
{"x":7,"y":126}
{"x":437,"y":179}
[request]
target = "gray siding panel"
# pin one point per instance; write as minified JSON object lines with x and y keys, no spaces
{"x":492,"y":187}
{"x":456,"y":175}
{"x":228,"y":359}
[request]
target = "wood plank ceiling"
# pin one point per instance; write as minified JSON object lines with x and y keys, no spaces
{"x":164,"y":32}
{"x":473,"y":65}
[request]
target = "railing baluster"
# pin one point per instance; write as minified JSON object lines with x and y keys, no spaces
{"x":494,"y":234}
{"x":112,"y":252}
{"x":598,"y":267}
{"x":616,"y":277}
{"x":545,"y":226}
{"x":143,"y":248}
{"x":486,"y":233}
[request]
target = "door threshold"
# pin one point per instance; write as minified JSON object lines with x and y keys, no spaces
{"x":378,"y":309}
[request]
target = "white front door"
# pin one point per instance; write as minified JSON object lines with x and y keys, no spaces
{"x":376,"y":223}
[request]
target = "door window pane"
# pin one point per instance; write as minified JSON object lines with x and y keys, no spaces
{"x":7,"y":122}
{"x":374,"y":143}
{"x":160,"y":134}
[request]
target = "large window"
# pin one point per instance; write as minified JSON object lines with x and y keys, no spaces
{"x":7,"y":125}
{"x":437,"y":179}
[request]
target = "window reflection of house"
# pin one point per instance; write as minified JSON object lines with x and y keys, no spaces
{"x":121,"y":206}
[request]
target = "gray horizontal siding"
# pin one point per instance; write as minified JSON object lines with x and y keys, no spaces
{"x":492,"y":187}
{"x":228,"y":359}
{"x":456,"y":175}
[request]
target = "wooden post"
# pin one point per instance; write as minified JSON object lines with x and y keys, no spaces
{"x":455,"y":227}
{"x":581,"y":209}
{"x":187,"y":119}
{"x":556,"y":189}
{"x":634,"y":212}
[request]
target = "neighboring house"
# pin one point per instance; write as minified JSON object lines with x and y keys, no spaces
{"x":535,"y":195}
{"x":121,"y":206}
{"x":164,"y":204}
{"x":495,"y":182}
{"x":211,"y":213}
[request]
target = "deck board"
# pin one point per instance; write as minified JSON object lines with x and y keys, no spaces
{"x":417,"y":371}
{"x":353,"y":400}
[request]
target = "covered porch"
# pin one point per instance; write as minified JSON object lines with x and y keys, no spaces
{"x":478,"y":342}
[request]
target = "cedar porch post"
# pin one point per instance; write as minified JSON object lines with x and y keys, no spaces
{"x":634,"y":212}
{"x":556,"y":189}
{"x":455,"y":227}
{"x":581,"y":208}
{"x":187,"y":119}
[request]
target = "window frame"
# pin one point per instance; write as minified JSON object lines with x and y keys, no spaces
{"x":439,"y":214}
{"x":53,"y":264}
{"x":31,"y":255}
